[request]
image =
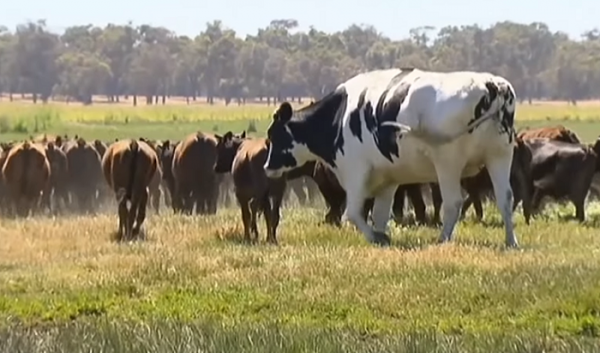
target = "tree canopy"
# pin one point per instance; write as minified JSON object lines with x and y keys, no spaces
{"x":280,"y":62}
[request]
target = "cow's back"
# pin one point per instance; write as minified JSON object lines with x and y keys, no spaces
{"x":247,"y":168}
{"x":120,"y":170}
{"x":26,"y":169}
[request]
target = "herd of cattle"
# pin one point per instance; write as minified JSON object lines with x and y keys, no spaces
{"x":57,"y":174}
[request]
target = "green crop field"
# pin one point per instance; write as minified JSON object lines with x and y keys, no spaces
{"x":172,"y":121}
{"x":65,"y":286}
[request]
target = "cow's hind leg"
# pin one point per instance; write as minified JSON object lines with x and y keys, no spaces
{"x":141,"y":213}
{"x":499,"y":171}
{"x":452,"y":199}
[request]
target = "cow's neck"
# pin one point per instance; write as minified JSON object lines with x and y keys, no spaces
{"x":319,"y":127}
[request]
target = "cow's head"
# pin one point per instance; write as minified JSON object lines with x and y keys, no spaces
{"x":227,"y":146}
{"x":285,"y":152}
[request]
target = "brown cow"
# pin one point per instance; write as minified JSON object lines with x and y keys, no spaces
{"x":196,"y":182}
{"x":166,"y":152}
{"x":85,"y":173}
{"x":245,"y":158}
{"x":4,"y":195}
{"x":57,"y":186}
{"x":128,"y":167}
{"x":26,"y":173}
{"x":556,"y":133}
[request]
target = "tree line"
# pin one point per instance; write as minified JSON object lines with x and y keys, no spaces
{"x":280,"y":62}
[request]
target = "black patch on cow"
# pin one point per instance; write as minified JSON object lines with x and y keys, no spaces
{"x":508,"y":117}
{"x":319,"y":126}
{"x":384,"y":135}
{"x":485,"y":104}
{"x":355,"y":123}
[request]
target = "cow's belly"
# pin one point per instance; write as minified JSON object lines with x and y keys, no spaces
{"x":415,"y":164}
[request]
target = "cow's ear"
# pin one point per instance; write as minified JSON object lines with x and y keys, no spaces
{"x":219,"y":138}
{"x":284,"y":112}
{"x":243,"y":134}
{"x":228,"y":136}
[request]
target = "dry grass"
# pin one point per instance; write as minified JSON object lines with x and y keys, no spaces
{"x":193,"y":269}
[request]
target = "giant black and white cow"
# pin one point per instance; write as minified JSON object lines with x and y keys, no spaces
{"x":385,"y":128}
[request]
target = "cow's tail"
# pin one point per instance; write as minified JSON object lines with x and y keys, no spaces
{"x":125,"y":194}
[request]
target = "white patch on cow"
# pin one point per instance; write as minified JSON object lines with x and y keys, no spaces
{"x":435,"y":146}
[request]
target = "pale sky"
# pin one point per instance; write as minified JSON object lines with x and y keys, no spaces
{"x":392,"y":17}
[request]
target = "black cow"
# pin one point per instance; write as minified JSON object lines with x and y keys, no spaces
{"x":563,"y":171}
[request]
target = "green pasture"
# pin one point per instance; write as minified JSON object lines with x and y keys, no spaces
{"x":193,"y":286}
{"x":106,"y":122}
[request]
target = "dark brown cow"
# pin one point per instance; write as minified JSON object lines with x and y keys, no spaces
{"x":128,"y":167}
{"x":26,"y":173}
{"x":167,"y":150}
{"x":245,"y":158}
{"x":556,"y":133}
{"x":57,"y":188}
{"x":85,"y":173}
{"x":196,"y":182}
{"x":563,"y":171}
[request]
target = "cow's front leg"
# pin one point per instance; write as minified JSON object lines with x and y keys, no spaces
{"x":355,"y":199}
{"x":452,"y":198}
{"x":381,"y":213}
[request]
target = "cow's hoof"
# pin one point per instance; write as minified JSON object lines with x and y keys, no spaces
{"x":443,"y":240}
{"x":381,"y":239}
{"x":512,"y":245}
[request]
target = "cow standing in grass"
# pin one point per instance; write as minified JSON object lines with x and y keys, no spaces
{"x":386,"y":128}
{"x":129,"y":167}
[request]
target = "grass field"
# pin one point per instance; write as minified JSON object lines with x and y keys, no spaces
{"x":193,"y":287}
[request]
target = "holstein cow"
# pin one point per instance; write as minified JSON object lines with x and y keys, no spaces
{"x":128,"y":167}
{"x":385,"y":128}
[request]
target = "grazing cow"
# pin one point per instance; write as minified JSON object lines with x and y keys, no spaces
{"x":245,"y":158}
{"x":129,"y":166}
{"x":562,"y":171}
{"x":556,"y":133}
{"x":385,"y":128}
{"x":26,"y":173}
{"x":196,"y":182}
